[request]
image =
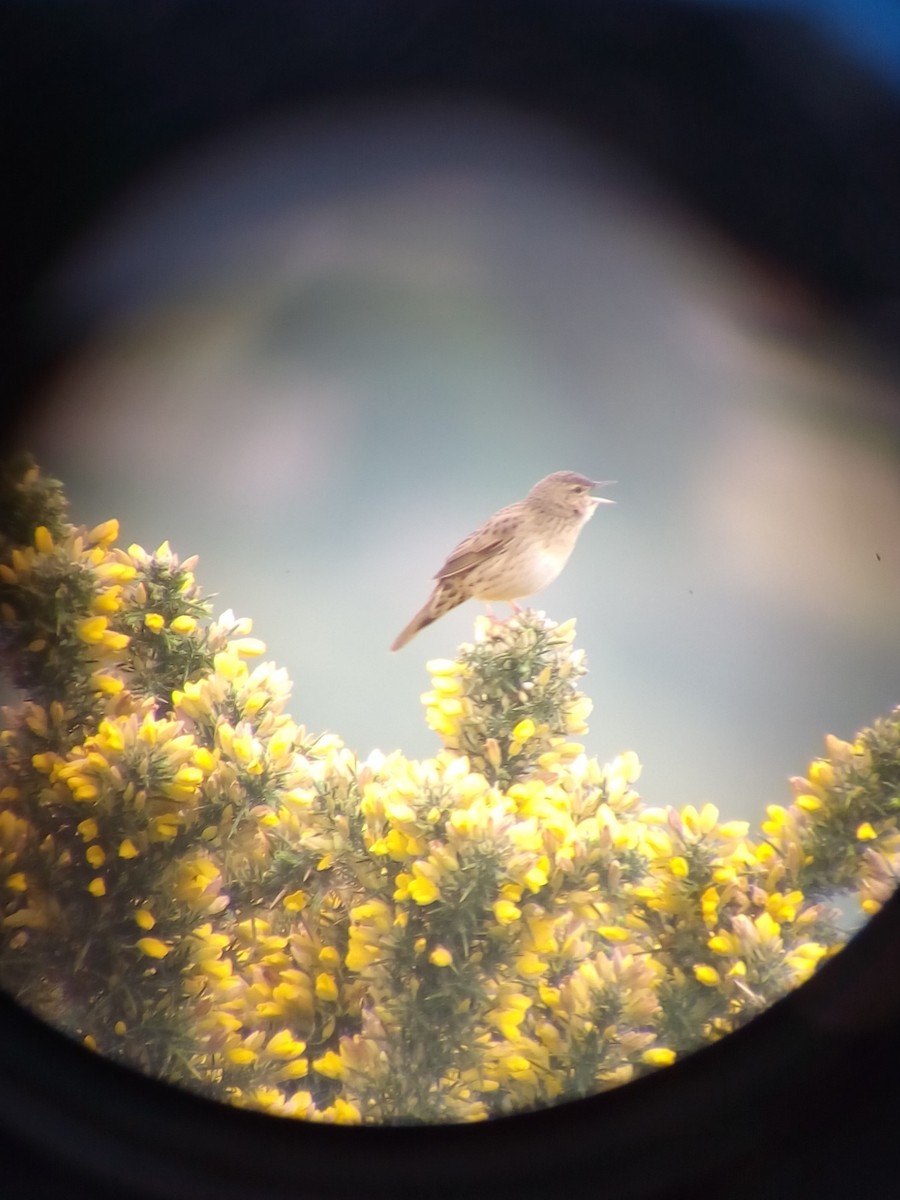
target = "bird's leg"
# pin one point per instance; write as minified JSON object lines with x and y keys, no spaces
{"x":503,"y":620}
{"x":492,"y":616}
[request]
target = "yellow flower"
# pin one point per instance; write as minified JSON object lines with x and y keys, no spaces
{"x":109,"y":685}
{"x":204,"y":759}
{"x":524,"y":730}
{"x":447,"y":685}
{"x":326,"y":988}
{"x":187,"y":776}
{"x":778,"y":817}
{"x":91,"y":629}
{"x":155,"y":622}
{"x":784,"y":907}
{"x":115,"y":641}
{"x":702,"y":823}
{"x":246,"y":647}
{"x":109,"y":600}
{"x":330,"y":1065}
{"x":550,"y":996}
{"x":708,"y":976}
{"x":734,"y":829}
{"x":44,"y":762}
{"x":342,"y":1112}
{"x":361,"y":954}
{"x":443,"y":666}
{"x":507,"y":1020}
{"x":144,"y":918}
{"x":296,"y":1069}
{"x":866,"y":832}
{"x":577,"y":714}
{"x":725,"y":875}
{"x":658,"y":1056}
{"x":821,"y":772}
{"x":95,"y":855}
{"x":767,"y":929}
{"x":506,"y":912}
{"x":105,"y":533}
{"x":82,"y":789}
{"x":530,"y":964}
{"x":109,"y":736}
{"x":723,"y":943}
{"x":295,"y":901}
{"x":440,"y":956}
{"x":808,"y":802}
{"x":709,"y":906}
{"x":116,"y":571}
{"x":812,"y":951}
{"x":127,"y":849}
{"x":284,"y":1045}
{"x":165,"y":826}
{"x":679,"y":867}
{"x":421,"y":888}
{"x":97,"y":887}
{"x":153,"y":947}
{"x":241,"y":1056}
{"x":537,"y":876}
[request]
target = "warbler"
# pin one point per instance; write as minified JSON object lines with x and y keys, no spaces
{"x":516,"y":552}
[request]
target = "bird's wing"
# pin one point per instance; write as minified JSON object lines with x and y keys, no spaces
{"x":492,"y":538}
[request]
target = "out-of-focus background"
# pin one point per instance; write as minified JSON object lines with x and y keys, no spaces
{"x":319,"y":347}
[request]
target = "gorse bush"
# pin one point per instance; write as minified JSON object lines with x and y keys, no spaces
{"x":192,"y":883}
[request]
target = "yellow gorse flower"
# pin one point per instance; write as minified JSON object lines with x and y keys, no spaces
{"x":291,"y":911}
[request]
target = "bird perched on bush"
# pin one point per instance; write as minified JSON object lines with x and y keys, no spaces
{"x":516,"y":552}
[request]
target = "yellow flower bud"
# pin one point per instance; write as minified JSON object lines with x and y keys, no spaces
{"x":43,"y":540}
{"x":706,"y":975}
{"x":153,"y":947}
{"x":658,"y":1056}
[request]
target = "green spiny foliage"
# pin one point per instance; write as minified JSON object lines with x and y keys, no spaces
{"x":194,"y":884}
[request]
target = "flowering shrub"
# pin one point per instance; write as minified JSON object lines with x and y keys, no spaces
{"x":194,"y":884}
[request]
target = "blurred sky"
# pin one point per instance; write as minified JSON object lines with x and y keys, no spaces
{"x":330,"y":348}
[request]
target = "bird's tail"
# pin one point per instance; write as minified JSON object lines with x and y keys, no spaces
{"x":441,"y":600}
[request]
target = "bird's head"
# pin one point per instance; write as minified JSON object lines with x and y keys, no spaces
{"x":565,"y":493}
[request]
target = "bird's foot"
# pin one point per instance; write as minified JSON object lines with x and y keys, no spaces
{"x":516,"y":611}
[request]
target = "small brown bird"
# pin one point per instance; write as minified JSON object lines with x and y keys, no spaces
{"x":516,"y":552}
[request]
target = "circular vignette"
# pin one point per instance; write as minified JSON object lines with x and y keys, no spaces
{"x":806,"y":1092}
{"x":804,"y":1098}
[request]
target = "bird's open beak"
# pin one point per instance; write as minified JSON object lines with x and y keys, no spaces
{"x":602,"y":499}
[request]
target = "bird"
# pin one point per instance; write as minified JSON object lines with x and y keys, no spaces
{"x":516,"y":552}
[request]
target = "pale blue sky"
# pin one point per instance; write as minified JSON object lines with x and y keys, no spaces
{"x":330,"y":349}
